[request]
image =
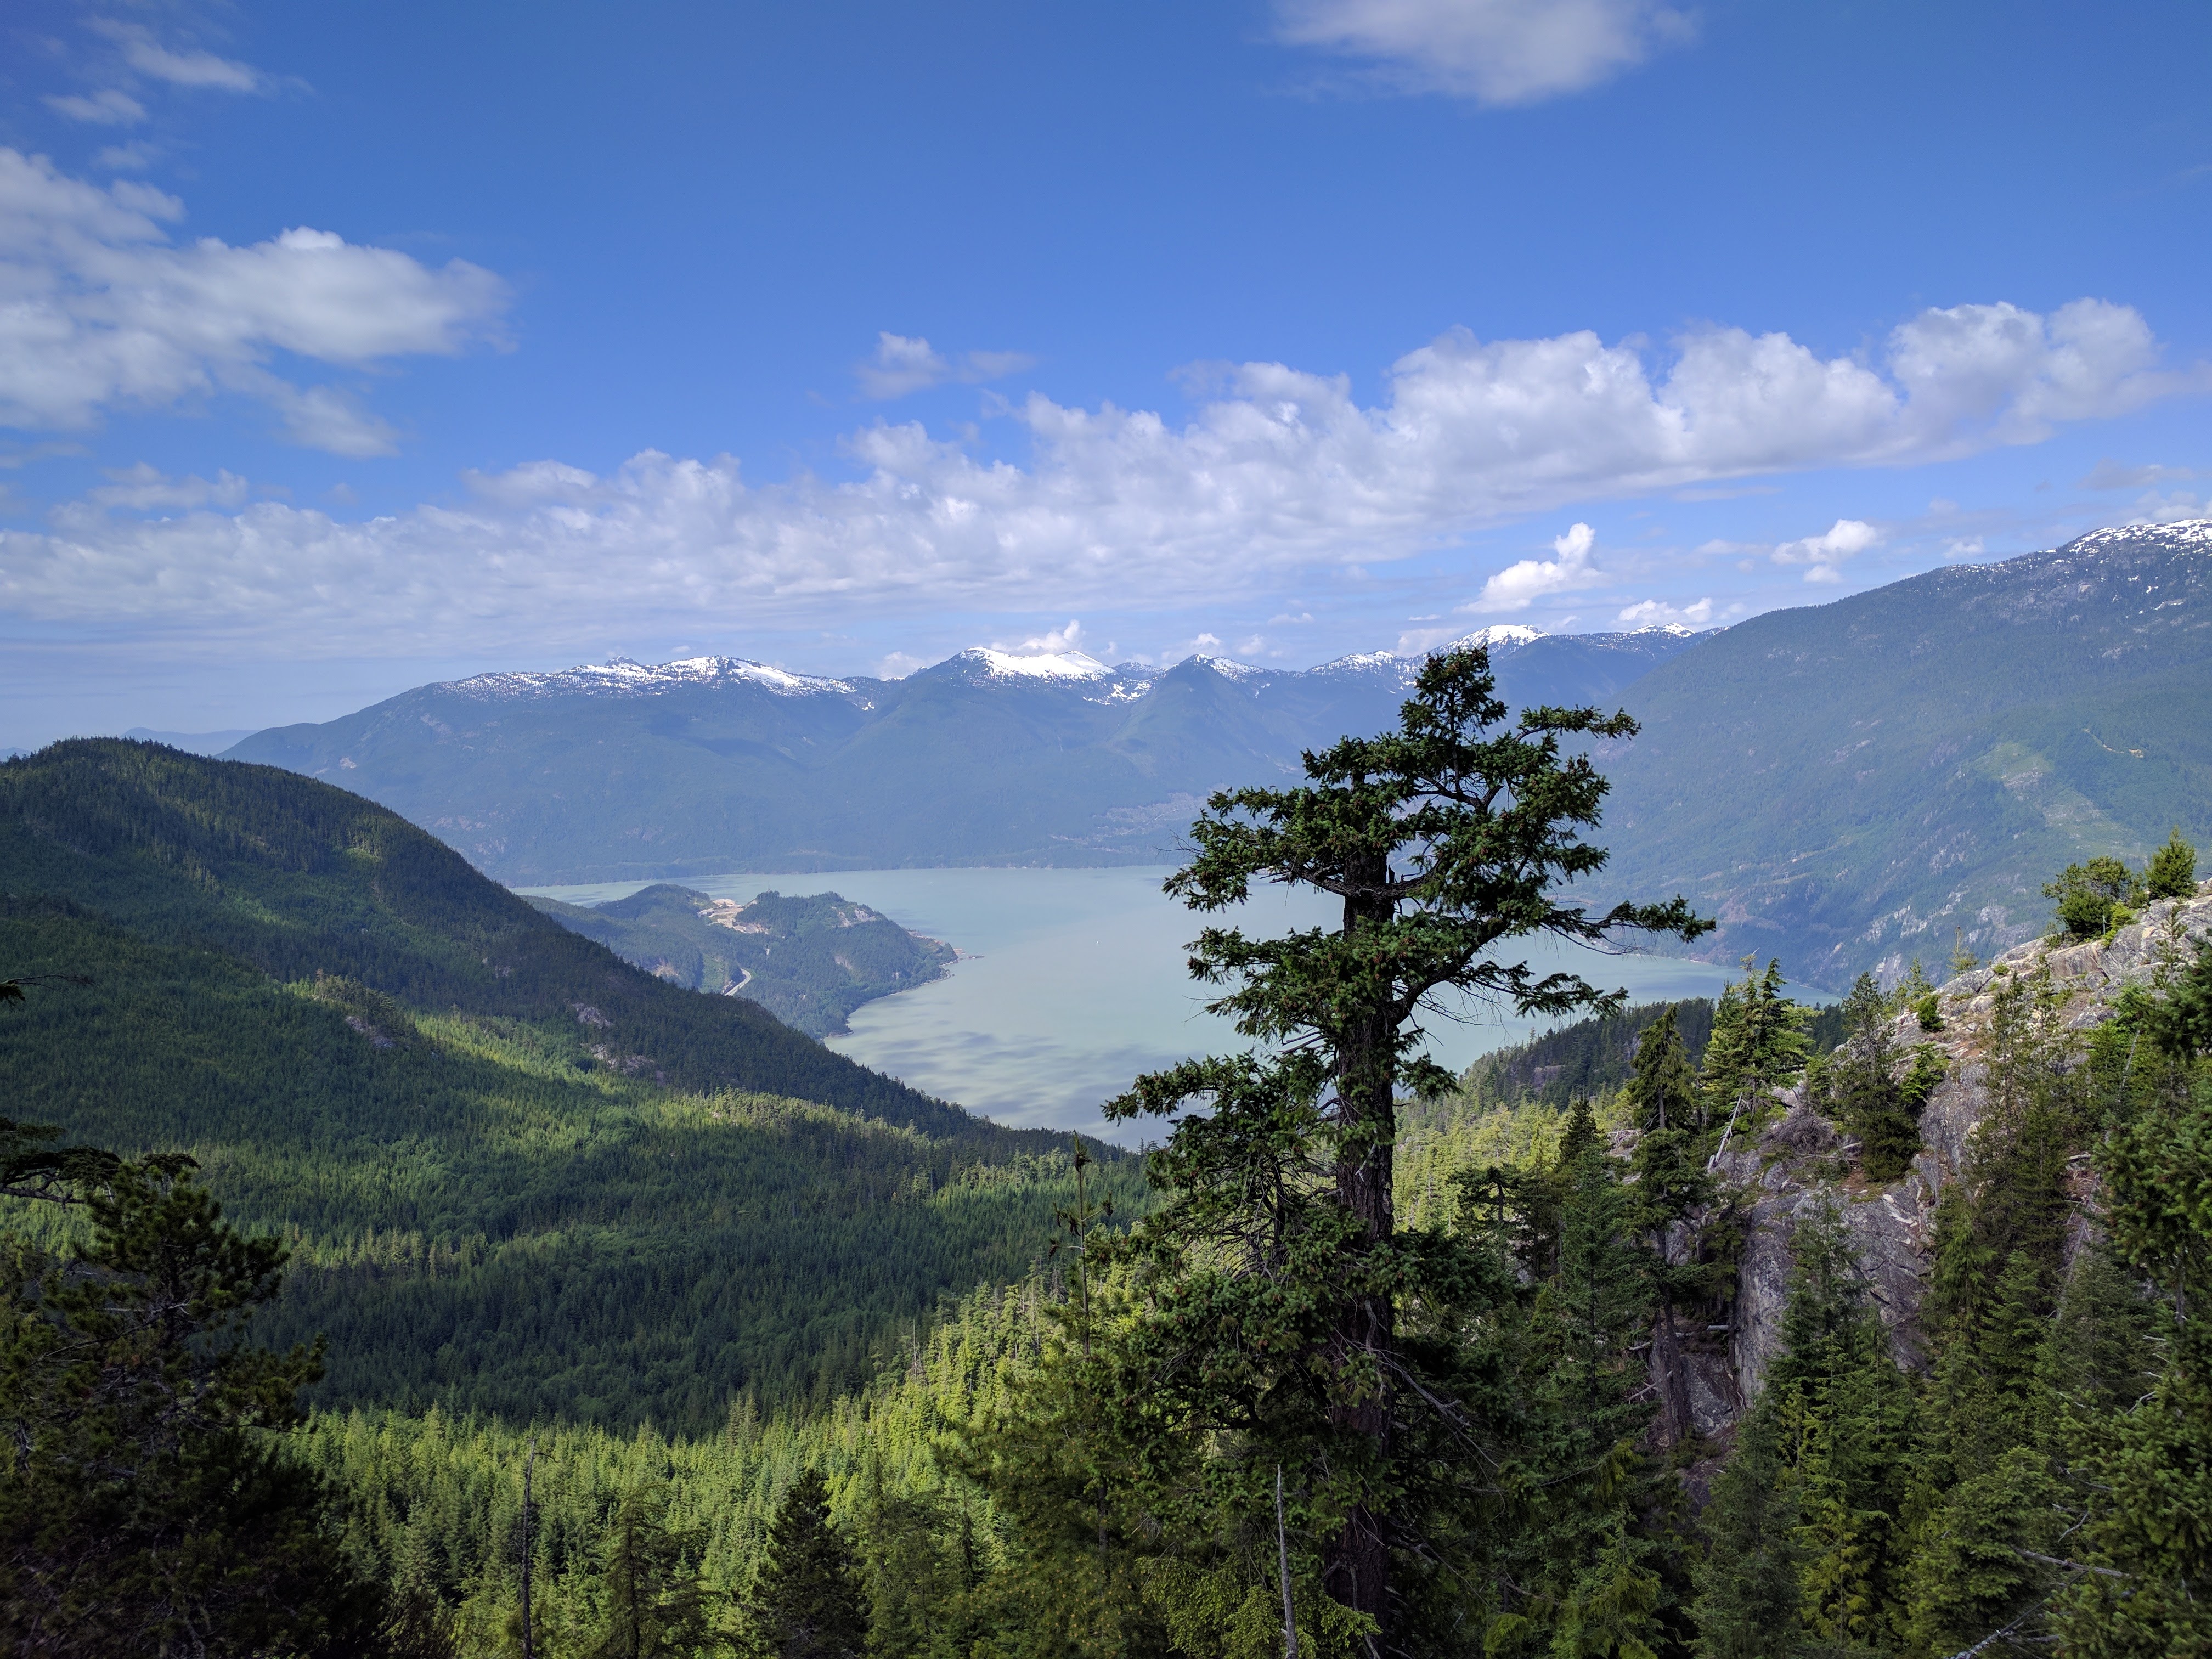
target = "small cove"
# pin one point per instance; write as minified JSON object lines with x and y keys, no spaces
{"x":1071,"y":981}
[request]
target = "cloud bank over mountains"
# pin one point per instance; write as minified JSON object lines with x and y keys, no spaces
{"x":1283,"y":471}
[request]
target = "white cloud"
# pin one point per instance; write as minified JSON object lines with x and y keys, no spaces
{"x":1497,"y":51}
{"x":108,"y":108}
{"x":1282,"y":477}
{"x":1051,"y":643}
{"x":100,"y":310}
{"x":1654,"y":613}
{"x":1520,"y":585}
{"x":1419,"y":641}
{"x":202,"y":69}
{"x":144,"y":488}
{"x":898,"y":664}
{"x":1824,"y":553}
{"x":124,"y":158}
{"x":2109,"y":474}
{"x":2156,"y":508}
{"x":902,"y":366}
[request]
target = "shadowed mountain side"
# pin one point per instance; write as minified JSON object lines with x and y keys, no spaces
{"x":1844,"y":785}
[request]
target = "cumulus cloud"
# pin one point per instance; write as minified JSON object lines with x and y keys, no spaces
{"x":902,"y":366}
{"x":1282,"y":473}
{"x":1821,"y":554}
{"x":144,"y":52}
{"x":1657,"y":613}
{"x":109,"y":108}
{"x":1520,"y":585}
{"x":1497,"y":51}
{"x":100,"y":310}
{"x":1052,"y":642}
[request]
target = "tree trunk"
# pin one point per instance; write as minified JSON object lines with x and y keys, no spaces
{"x":1357,"y":1570}
{"x":1668,"y":1375}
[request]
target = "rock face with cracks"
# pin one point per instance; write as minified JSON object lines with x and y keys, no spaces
{"x":1804,"y":1162}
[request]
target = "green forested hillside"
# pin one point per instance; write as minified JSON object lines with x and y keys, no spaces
{"x":519,"y":1175}
{"x":808,"y":960}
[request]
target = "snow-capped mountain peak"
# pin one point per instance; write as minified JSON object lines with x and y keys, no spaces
{"x":1228,"y":668}
{"x":1042,"y":666}
{"x":1500,"y":633}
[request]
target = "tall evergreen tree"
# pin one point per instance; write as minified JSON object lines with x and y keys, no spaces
{"x":1749,"y":1591}
{"x":2145,"y":1584}
{"x":1442,"y":841}
{"x":1759,"y":1044}
{"x":1671,"y":1183}
{"x":653,"y":1600}
{"x":806,"y":1601}
{"x":146,"y":1509}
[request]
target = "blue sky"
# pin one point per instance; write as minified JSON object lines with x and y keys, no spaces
{"x":348,"y":346}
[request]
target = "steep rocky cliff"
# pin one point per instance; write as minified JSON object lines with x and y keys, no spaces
{"x":1804,"y":1161}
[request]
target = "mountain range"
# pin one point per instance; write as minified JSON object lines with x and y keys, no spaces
{"x":712,"y":764}
{"x":1843,"y":785}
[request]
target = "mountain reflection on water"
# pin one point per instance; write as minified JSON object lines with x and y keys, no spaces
{"x":1071,"y":981}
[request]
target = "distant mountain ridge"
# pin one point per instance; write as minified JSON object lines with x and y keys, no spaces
{"x":622,"y":770}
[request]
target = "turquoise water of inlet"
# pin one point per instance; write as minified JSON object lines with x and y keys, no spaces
{"x":1071,"y":981}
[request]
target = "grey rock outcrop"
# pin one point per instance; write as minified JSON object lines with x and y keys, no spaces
{"x":1801,"y":1163}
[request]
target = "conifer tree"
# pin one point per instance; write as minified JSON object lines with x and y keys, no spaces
{"x":806,"y":1603}
{"x":653,"y":1600}
{"x":2146,"y":1548}
{"x":1759,"y":1047}
{"x":145,"y":1509}
{"x":1580,"y":1572}
{"x":1748,"y":1587}
{"x":2171,"y":872}
{"x":2090,"y":892}
{"x":1671,"y":1183}
{"x":1444,"y":841}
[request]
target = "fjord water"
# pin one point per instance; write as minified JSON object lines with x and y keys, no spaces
{"x":1071,"y":981}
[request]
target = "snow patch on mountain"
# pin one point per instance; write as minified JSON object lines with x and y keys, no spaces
{"x":620,"y":675}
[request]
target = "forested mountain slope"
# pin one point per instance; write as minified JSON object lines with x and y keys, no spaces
{"x":714,"y":765}
{"x":520,"y":1174}
{"x":1844,"y":785}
